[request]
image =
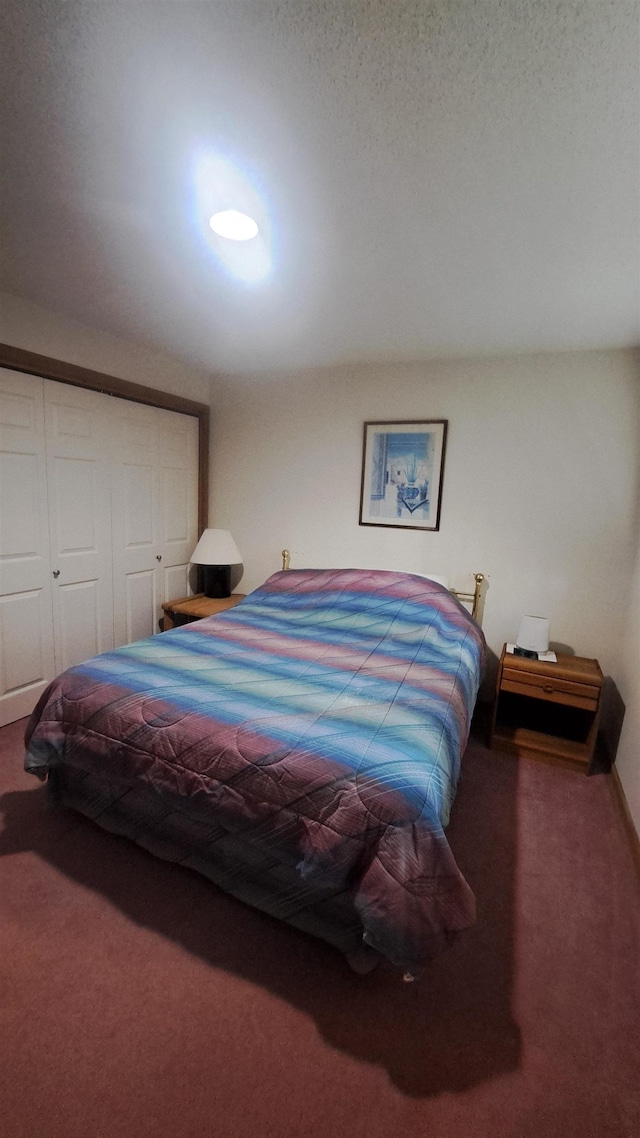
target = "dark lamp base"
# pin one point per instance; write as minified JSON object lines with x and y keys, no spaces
{"x":216,"y":580}
{"x":530,"y":655}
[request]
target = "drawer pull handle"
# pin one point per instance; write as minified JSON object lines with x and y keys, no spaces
{"x":548,"y":687}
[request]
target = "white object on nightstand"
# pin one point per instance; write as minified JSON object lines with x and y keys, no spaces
{"x":533,"y":634}
{"x":547,"y":657}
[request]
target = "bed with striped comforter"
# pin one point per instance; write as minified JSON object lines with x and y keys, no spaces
{"x":306,"y":742}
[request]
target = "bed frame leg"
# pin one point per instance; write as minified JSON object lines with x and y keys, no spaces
{"x":363,"y":960}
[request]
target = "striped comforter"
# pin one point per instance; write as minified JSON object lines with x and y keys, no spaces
{"x":326,"y":714}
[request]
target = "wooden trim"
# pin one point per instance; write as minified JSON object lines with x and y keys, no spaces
{"x":625,"y":816}
{"x":203,"y":469}
{"x":18,"y":359}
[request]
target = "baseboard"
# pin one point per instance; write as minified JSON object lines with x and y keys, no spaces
{"x":625,"y":817}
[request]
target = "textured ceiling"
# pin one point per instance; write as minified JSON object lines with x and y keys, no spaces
{"x":431,"y":178}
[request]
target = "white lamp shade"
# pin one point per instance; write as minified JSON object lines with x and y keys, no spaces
{"x":533,"y":634}
{"x":216,"y":547}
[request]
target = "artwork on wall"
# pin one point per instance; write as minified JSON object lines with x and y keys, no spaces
{"x":402,"y":471}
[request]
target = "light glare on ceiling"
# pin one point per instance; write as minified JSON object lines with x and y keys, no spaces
{"x":232,"y":224}
{"x":218,"y":182}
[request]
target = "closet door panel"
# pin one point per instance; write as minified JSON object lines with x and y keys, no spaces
{"x":79,"y":633}
{"x":26,"y":622}
{"x":178,"y":476}
{"x":21,"y":616}
{"x":140,"y":604}
{"x":139,"y":506}
{"x":175,"y":580}
{"x":136,"y":522}
{"x":20,"y":521}
{"x":154,"y":493}
{"x":175,"y":500}
{"x":78,"y":474}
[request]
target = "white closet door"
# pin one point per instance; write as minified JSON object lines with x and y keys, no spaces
{"x":135,"y":522}
{"x":26,"y":627}
{"x":155,"y":482}
{"x":79,"y":441}
{"x":178,"y":484}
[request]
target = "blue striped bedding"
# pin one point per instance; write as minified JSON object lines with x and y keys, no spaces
{"x":322,"y":720}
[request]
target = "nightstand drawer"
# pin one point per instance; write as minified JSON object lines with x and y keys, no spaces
{"x":554,"y":690}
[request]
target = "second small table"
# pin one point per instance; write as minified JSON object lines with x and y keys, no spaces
{"x":187,"y":609}
{"x":551,"y":709}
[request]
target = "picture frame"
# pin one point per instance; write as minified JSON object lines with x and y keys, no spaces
{"x":402,"y":473}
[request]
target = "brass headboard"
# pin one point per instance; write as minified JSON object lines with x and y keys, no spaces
{"x":475,"y":597}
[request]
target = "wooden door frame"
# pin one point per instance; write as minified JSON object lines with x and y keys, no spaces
{"x":18,"y":359}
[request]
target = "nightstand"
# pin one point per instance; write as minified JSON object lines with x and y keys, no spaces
{"x":548,"y":709}
{"x":187,"y":609}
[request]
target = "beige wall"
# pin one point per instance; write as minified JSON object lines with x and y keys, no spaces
{"x":36,"y":329}
{"x":540,"y":486}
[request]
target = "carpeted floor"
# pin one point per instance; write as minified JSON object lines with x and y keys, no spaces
{"x":140,"y":1002}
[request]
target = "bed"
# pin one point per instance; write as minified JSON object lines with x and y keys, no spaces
{"x":301,"y":750}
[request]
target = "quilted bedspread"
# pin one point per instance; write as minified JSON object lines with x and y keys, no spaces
{"x":328,"y":711}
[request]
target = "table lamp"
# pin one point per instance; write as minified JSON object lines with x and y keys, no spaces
{"x":533,"y":637}
{"x":216,"y":552}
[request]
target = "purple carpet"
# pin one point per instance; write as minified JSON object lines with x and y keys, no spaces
{"x":138,"y":1000}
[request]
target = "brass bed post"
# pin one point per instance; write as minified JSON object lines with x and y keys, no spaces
{"x":286,"y":558}
{"x":475,"y":597}
{"x":477,"y":592}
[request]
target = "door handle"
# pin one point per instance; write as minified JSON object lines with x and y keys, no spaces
{"x":56,"y":572}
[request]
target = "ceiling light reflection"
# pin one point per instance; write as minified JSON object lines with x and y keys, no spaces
{"x":232,"y":224}
{"x":222,"y":190}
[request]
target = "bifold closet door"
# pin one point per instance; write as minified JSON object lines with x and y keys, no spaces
{"x":79,"y":443}
{"x":155,"y":483}
{"x":26,"y":625}
{"x":98,"y":519}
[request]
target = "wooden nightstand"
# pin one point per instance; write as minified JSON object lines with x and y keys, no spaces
{"x":187,"y":609}
{"x":548,"y":709}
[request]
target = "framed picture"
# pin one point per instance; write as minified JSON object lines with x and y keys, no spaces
{"x":402,"y":471}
